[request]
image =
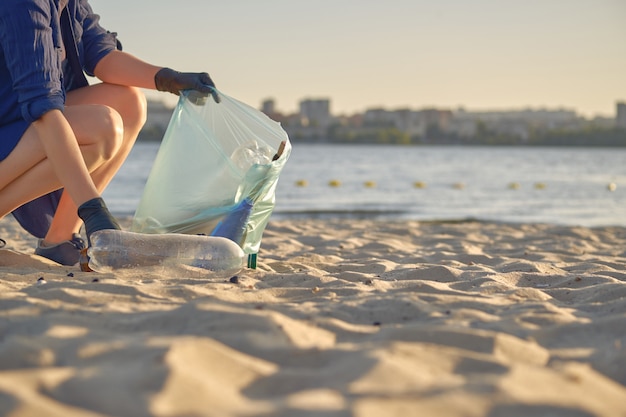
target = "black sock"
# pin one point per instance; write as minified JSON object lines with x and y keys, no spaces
{"x":96,"y":216}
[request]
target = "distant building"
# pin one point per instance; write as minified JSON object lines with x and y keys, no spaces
{"x":437,"y":119}
{"x":463,"y":128}
{"x":408,"y":121}
{"x":268,"y":106}
{"x":316,"y":112}
{"x":620,"y":119}
{"x":378,"y":118}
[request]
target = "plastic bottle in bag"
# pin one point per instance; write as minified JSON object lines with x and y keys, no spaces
{"x":249,"y":154}
{"x":233,"y":225}
{"x":112,"y":250}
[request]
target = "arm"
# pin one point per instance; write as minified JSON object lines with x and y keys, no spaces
{"x":122,"y":68}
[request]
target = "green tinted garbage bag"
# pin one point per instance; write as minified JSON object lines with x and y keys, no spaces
{"x":215,"y":173}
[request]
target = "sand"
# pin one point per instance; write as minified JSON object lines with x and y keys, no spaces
{"x":342,"y":318}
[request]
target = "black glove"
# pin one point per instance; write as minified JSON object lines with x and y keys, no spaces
{"x":166,"y":79}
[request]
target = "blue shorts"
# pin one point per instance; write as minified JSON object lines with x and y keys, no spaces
{"x":10,"y":135}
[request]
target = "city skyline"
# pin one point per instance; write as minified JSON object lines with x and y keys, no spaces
{"x":316,"y":122}
{"x":158,"y":100}
{"x":483,"y":54}
{"x":275,"y":106}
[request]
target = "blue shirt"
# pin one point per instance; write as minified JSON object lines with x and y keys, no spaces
{"x":35,"y":72}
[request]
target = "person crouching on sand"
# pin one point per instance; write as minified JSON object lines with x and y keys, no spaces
{"x":61,"y":139}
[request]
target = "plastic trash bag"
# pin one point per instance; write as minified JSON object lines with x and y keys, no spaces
{"x":215,"y":173}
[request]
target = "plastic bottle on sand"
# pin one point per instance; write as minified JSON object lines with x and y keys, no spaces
{"x":175,"y":253}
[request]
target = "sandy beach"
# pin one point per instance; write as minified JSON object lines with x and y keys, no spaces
{"x":347,"y":318}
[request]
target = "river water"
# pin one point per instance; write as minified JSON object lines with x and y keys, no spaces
{"x":573,"y":186}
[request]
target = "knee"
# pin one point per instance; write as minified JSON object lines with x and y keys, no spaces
{"x":134,"y":108}
{"x":121,"y":125}
{"x":110,"y":133}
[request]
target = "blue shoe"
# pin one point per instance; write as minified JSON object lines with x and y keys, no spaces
{"x":64,"y":253}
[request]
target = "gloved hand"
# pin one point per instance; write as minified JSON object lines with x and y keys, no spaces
{"x":166,"y":79}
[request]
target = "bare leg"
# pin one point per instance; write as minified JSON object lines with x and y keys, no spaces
{"x":105,"y":136}
{"x":130,"y":104}
{"x":27,"y":173}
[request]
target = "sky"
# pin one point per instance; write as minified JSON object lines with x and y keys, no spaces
{"x":393,"y":54}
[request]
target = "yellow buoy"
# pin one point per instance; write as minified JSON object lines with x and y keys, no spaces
{"x":514,"y":185}
{"x":612,"y":186}
{"x":302,"y":183}
{"x":419,"y":184}
{"x":458,"y":185}
{"x":334,"y":183}
{"x":540,"y":185}
{"x":370,"y":184}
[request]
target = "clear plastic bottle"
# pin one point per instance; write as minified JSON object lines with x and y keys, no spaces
{"x":175,"y":253}
{"x":249,"y":154}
